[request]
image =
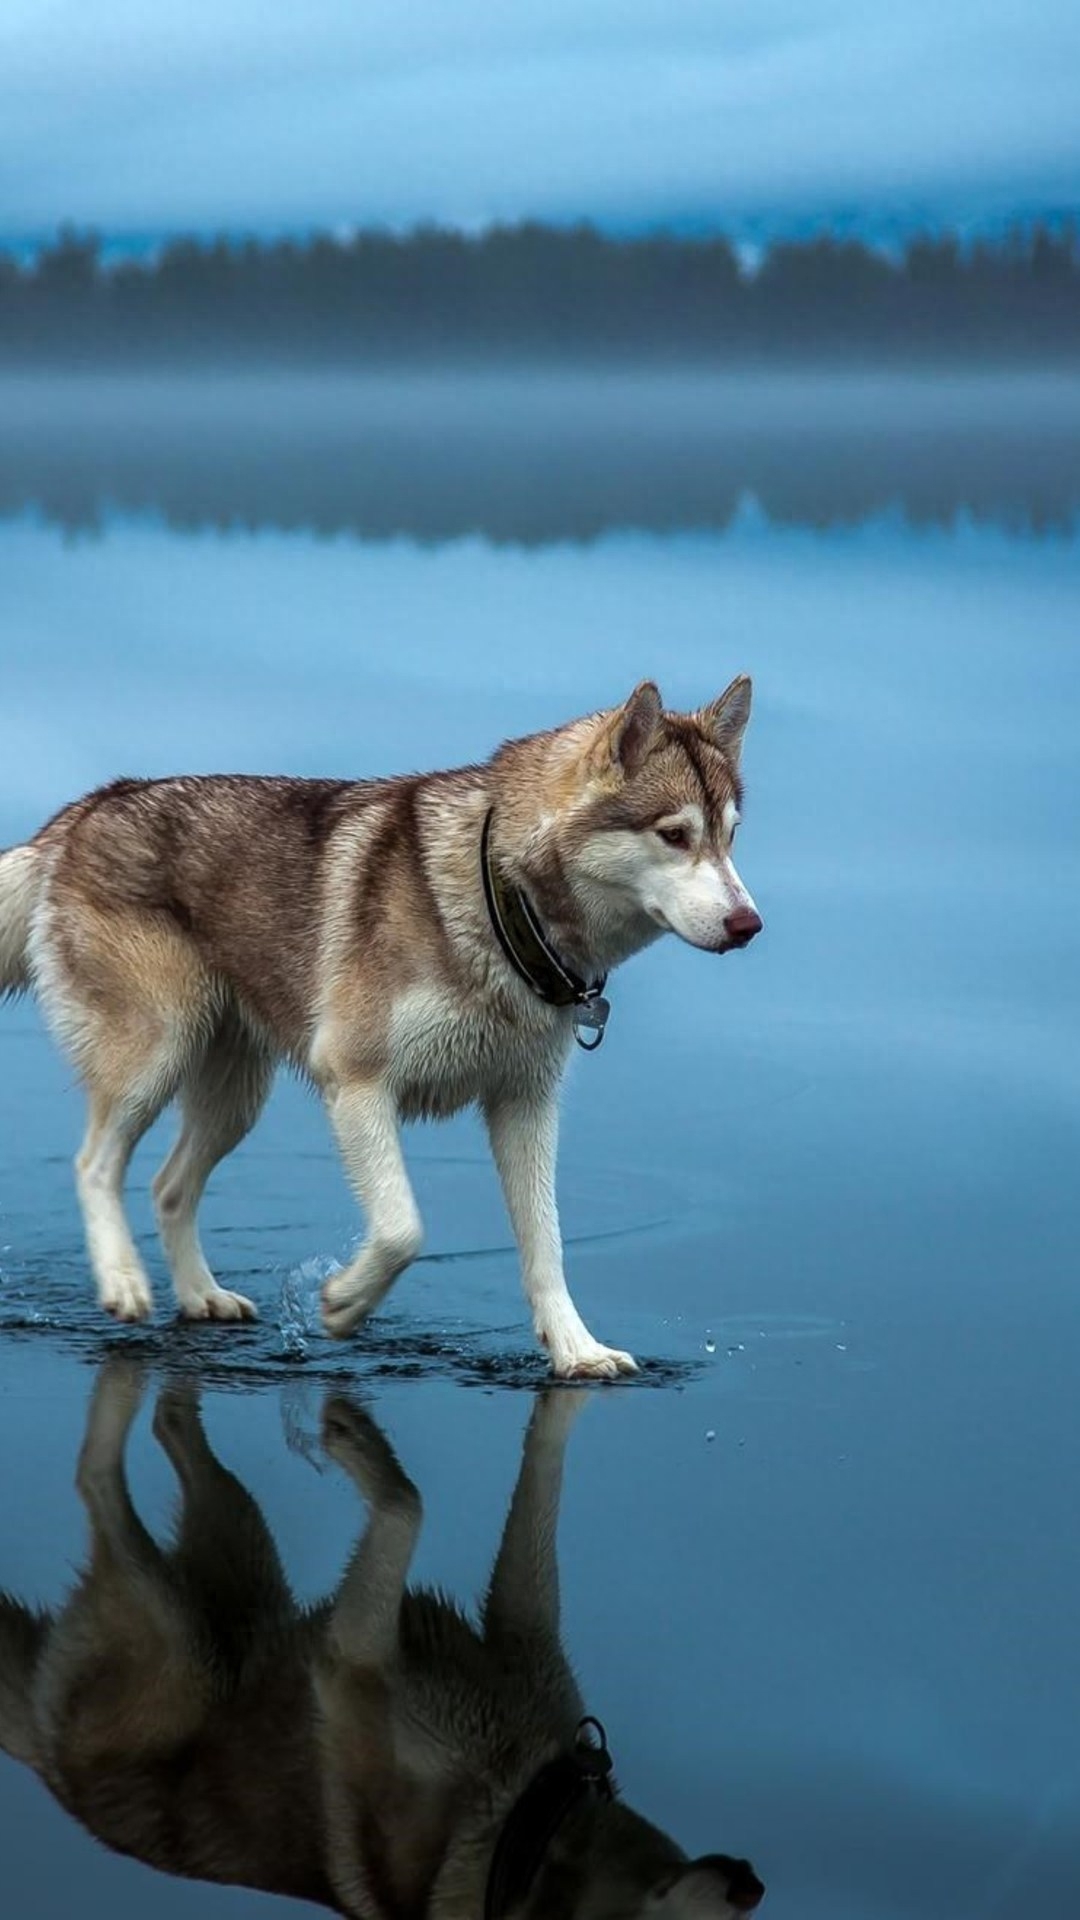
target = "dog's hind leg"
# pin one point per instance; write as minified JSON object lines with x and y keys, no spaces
{"x":124,"y":1672}
{"x":220,"y":1100}
{"x":365,"y":1121}
{"x":116,"y":1127}
{"x":366,"y":1611}
{"x":130,"y":1001}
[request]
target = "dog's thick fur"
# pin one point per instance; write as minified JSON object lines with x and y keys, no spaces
{"x":363,"y":1754}
{"x":183,"y":935}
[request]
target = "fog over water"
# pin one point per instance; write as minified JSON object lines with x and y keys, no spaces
{"x":563,"y":456}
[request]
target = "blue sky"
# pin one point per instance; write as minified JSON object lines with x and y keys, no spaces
{"x":142,"y":117}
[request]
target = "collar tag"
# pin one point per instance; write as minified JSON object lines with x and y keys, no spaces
{"x":591,"y":1017}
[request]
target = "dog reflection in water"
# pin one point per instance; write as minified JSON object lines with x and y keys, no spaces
{"x":377,"y":1754}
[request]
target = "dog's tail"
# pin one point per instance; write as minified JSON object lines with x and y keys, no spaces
{"x":19,"y":871}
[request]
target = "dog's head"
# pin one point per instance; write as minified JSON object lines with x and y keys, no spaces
{"x":716,"y":1887}
{"x":655,"y":814}
{"x":713,"y":1888}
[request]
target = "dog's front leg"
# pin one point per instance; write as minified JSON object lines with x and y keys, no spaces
{"x":523,"y":1597}
{"x":364,"y":1734}
{"x":364,"y":1620}
{"x":365,"y":1121}
{"x":524,"y":1140}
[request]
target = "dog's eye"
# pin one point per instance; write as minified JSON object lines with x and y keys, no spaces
{"x":678,"y":837}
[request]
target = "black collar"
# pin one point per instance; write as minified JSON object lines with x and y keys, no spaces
{"x":532,"y":955}
{"x":584,"y":1773}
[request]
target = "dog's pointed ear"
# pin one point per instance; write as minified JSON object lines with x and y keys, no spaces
{"x":634,"y":729}
{"x":725,"y":719}
{"x":713,"y":1888}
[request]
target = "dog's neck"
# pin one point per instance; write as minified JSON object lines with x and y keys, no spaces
{"x":604,"y":1858}
{"x":591,"y":924}
{"x":600,"y":1849}
{"x":592,"y":927}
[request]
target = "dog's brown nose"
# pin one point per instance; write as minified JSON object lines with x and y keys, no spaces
{"x":742,"y":925}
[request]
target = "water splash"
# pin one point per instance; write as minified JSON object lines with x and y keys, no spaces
{"x":298,"y":1311}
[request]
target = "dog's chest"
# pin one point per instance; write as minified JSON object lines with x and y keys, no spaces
{"x":446,"y":1052}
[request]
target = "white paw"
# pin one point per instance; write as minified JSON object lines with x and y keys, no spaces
{"x":593,"y":1362}
{"x":349,"y":1295}
{"x":217,"y":1304}
{"x":125,"y":1293}
{"x":345,"y":1302}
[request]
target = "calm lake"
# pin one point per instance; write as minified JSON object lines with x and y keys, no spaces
{"x":820,"y":1564}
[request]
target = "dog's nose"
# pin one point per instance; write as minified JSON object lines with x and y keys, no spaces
{"x":745,"y":1891}
{"x":742,"y":925}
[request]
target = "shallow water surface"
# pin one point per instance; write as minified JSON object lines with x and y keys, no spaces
{"x":819,"y":1565}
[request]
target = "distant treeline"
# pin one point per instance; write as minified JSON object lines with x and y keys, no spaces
{"x":542,"y":293}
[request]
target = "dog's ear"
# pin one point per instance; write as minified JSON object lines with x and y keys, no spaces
{"x":724,"y":720}
{"x":634,"y":728}
{"x":713,"y":1888}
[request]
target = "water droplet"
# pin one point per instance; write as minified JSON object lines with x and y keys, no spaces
{"x":710,"y":1433}
{"x":710,"y":1343}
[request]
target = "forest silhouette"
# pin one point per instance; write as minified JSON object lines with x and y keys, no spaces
{"x":538,"y":293}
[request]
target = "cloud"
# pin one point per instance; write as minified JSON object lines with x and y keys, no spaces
{"x":359,"y":110}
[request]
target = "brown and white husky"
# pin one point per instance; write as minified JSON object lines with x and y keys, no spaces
{"x":378,"y":1753}
{"x":412,"y":945}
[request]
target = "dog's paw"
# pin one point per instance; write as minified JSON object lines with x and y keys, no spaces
{"x":345,"y":1303}
{"x":218,"y":1304}
{"x":125,"y":1294}
{"x":352,"y":1439}
{"x":176,"y":1415}
{"x":594,"y":1362}
{"x":339,"y":1317}
{"x":118,"y":1390}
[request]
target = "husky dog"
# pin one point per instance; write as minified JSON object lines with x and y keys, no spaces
{"x":412,"y":945}
{"x":377,"y":1754}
